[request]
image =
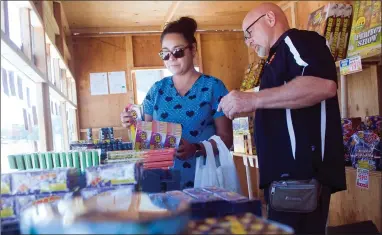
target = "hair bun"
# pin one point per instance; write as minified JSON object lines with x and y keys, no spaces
{"x":188,"y":24}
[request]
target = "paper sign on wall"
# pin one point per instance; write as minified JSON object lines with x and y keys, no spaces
{"x":117,"y":82}
{"x":98,"y":84}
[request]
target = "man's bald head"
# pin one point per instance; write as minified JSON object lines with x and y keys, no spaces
{"x":271,"y":23}
{"x":262,"y":9}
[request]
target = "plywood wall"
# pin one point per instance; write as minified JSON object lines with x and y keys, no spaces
{"x":355,"y":204}
{"x":225,"y":56}
{"x":99,"y":55}
{"x":145,"y":50}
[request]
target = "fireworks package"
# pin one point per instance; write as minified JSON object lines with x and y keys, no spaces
{"x":111,"y":175}
{"x":365,"y":146}
{"x":45,"y":181}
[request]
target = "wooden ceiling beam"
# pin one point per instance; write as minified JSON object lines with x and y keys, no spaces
{"x":145,"y":29}
{"x":170,"y":13}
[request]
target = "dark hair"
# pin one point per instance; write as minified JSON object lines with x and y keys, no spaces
{"x":185,"y":26}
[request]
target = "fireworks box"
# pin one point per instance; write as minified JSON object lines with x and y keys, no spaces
{"x":243,"y":132}
{"x":365,"y":36}
{"x":323,"y":21}
{"x":344,"y":29}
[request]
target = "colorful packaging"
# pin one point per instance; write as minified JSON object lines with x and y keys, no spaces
{"x":246,"y":223}
{"x":110,"y":175}
{"x":143,"y":135}
{"x":43,"y":181}
{"x":374,"y":123}
{"x":364,"y":147}
{"x":230,"y":196}
{"x":174,"y":134}
{"x":7,"y":209}
{"x":339,"y":17}
{"x":180,"y":195}
{"x":158,"y":136}
{"x":345,"y":32}
{"x":349,"y":127}
{"x":200,"y":195}
{"x":5,"y":184}
{"x":243,"y":132}
{"x":23,"y":202}
{"x":323,"y":21}
{"x":365,"y":36}
{"x":213,"y":189}
{"x":137,"y":114}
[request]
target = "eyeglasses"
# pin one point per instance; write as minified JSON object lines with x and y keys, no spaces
{"x":247,"y":35}
{"x":177,"y":53}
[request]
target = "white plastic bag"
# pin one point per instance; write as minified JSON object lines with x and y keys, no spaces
{"x":230,"y":179}
{"x":206,"y":174}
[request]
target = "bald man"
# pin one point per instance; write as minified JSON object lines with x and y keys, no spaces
{"x":297,"y":120}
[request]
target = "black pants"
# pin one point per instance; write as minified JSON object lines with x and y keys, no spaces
{"x":304,"y":223}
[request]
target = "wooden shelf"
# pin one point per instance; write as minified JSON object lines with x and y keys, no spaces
{"x":376,"y":58}
{"x":149,"y":68}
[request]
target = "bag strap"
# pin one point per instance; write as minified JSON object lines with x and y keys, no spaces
{"x":210,"y":157}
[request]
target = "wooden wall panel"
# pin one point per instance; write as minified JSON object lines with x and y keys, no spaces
{"x":145,"y":51}
{"x":364,"y":88}
{"x":99,"y":55}
{"x":225,"y":56}
{"x":363,"y":93}
{"x":355,"y":204}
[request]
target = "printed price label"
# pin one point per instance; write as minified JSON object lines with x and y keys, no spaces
{"x":362,"y":180}
{"x":350,"y":65}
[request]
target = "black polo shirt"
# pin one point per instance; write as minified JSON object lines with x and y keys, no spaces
{"x":290,"y":142}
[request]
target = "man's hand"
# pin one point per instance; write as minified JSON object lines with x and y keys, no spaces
{"x":238,"y":102}
{"x":185,"y":150}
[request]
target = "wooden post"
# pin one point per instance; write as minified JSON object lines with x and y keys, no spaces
{"x":60,"y":37}
{"x":4,"y":15}
{"x":293,"y":13}
{"x":344,"y":97}
{"x":130,"y":60}
{"x":65,"y":130}
{"x":26,"y":33}
{"x":40,"y":51}
{"x":200,"y":59}
{"x":44,"y":118}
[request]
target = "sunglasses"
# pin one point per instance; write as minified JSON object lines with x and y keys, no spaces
{"x":177,"y":53}
{"x":247,"y":35}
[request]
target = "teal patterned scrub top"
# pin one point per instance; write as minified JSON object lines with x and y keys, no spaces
{"x":195,"y":111}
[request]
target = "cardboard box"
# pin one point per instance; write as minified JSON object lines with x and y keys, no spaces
{"x":365,"y":36}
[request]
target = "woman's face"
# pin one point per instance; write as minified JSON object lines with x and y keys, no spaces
{"x":172,"y":42}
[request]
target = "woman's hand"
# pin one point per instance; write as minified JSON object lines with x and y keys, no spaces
{"x":126,"y":118}
{"x":185,"y":150}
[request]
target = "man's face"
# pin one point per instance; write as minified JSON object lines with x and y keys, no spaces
{"x":257,"y":33}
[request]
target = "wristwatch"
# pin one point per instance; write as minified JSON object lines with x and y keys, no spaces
{"x":199,"y":151}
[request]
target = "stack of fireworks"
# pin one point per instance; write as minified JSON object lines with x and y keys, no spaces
{"x":150,"y":159}
{"x":20,"y":190}
{"x":152,"y":135}
{"x":52,"y":160}
{"x":107,"y":178}
{"x":105,"y":146}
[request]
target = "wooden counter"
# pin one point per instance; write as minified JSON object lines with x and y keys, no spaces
{"x":356,"y":204}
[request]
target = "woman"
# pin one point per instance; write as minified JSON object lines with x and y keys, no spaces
{"x":188,"y":97}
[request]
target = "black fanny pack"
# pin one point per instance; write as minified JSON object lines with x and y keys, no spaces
{"x":294,"y":195}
